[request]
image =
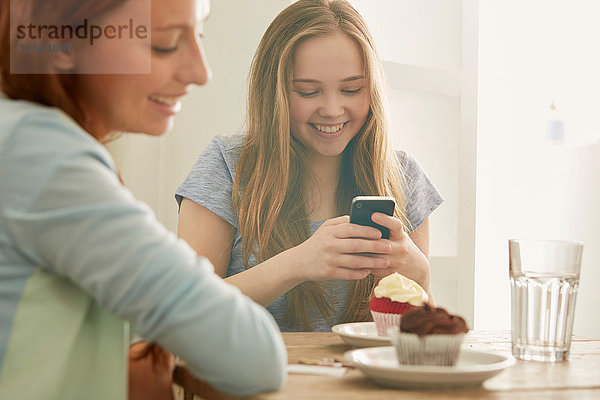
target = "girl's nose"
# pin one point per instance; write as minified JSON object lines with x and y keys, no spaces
{"x":331,"y":106}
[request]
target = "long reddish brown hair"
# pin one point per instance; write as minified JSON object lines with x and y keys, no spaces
{"x":47,"y":88}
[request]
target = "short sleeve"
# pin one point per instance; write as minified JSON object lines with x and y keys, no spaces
{"x":210,"y":182}
{"x":422,"y":198}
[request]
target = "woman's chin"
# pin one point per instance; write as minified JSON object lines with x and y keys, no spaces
{"x":327,"y":152}
{"x":158,"y":129}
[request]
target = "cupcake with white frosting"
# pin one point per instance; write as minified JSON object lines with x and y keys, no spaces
{"x":393,"y":296}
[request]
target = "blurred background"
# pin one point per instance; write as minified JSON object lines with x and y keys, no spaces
{"x":470,"y":86}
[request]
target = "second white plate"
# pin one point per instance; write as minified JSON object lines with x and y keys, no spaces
{"x":361,"y":334}
{"x":472,"y":368}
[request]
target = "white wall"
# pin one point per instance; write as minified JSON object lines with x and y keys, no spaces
{"x":529,"y":53}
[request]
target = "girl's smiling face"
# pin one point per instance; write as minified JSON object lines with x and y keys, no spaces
{"x":329,"y":94}
{"x":146,"y":103}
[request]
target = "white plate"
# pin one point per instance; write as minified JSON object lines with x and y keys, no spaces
{"x":472,"y":368}
{"x":361,"y":334}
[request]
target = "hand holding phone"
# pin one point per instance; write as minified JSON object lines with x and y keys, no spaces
{"x":364,"y":206}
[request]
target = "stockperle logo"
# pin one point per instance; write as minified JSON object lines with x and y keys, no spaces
{"x":117,"y":42}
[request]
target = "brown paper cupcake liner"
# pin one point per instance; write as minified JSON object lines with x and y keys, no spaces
{"x":436,"y":349}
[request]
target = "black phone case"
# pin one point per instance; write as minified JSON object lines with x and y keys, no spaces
{"x":362,"y":210}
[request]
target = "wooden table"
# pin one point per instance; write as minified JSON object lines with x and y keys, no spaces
{"x":578,"y":378}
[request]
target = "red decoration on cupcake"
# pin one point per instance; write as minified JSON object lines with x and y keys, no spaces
{"x":386,"y":305}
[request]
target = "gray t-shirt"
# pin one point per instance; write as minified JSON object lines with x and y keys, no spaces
{"x":210,"y":184}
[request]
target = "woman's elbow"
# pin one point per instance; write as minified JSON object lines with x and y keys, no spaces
{"x":266,"y":372}
{"x":276,"y":373}
{"x":271,"y":367}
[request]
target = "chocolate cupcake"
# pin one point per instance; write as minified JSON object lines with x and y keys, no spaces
{"x":429,"y":336}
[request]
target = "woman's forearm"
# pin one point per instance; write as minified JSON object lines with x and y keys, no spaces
{"x":266,"y":282}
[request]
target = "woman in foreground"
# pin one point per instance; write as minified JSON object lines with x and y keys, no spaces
{"x":79,"y":256}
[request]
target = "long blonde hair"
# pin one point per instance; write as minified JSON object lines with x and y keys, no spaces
{"x":269,"y":187}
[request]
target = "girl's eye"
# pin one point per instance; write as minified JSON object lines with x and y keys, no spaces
{"x":164,"y":50}
{"x":306,"y":94}
{"x":355,"y":91}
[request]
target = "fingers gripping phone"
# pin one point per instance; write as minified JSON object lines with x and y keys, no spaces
{"x":364,"y":206}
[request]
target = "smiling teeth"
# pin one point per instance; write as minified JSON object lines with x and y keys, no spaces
{"x":329,"y":129}
{"x":170,"y":101}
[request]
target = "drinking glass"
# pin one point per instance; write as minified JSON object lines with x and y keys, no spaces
{"x":544,"y":276}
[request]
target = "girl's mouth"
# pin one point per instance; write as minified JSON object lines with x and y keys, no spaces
{"x":329,"y":131}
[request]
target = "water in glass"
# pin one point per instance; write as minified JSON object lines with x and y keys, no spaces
{"x":543,"y":307}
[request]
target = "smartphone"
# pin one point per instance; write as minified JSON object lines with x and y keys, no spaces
{"x":364,"y":206}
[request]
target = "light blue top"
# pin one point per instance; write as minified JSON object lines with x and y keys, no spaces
{"x":79,"y":256}
{"x":210,"y":184}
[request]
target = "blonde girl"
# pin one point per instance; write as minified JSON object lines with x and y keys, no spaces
{"x":269,"y":207}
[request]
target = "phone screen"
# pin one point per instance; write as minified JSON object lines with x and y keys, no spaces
{"x":364,"y":206}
